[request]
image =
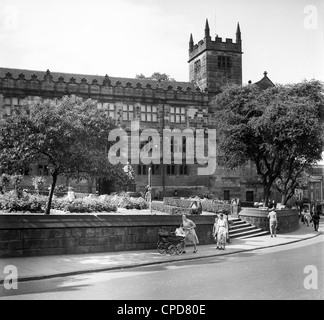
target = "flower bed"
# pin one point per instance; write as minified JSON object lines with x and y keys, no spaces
{"x":32,"y":203}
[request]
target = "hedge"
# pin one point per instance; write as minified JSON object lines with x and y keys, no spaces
{"x":159,"y":206}
{"x":207,"y":205}
{"x":10,"y":202}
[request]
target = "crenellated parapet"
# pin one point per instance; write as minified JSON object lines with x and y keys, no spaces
{"x":26,"y":82}
{"x":219,"y":45}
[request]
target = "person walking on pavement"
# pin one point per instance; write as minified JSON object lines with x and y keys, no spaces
{"x":229,"y":225}
{"x":189,"y":227}
{"x":215,"y":230}
{"x":316,"y":219}
{"x":273,"y":222}
{"x":307,"y":217}
{"x":221,"y":232}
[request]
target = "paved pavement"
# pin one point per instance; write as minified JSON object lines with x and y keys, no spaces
{"x":36,"y":268}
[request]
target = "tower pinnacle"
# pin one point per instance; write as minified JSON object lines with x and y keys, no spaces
{"x":191,"y":43}
{"x":238,"y":33}
{"x":207,"y":30}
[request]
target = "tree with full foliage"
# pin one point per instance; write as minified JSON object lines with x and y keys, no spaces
{"x":156,"y":76}
{"x":290,"y":179}
{"x":71,"y":134}
{"x":279,"y":129}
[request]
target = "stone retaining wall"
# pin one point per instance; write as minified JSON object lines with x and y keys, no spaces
{"x":36,"y":235}
{"x":287,"y":218}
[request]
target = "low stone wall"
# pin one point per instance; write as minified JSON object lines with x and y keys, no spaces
{"x":35,"y":235}
{"x":288,"y":219}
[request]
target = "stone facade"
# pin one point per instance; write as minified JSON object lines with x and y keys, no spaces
{"x":149,"y":104}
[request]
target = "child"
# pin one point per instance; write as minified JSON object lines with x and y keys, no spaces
{"x":179,"y":231}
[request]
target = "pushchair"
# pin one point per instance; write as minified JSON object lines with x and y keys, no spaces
{"x":170,"y":243}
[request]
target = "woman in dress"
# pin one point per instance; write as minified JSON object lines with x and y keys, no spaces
{"x":189,"y":227}
{"x":221,"y":232}
{"x":215,"y":230}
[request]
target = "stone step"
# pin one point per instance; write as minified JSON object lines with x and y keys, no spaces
{"x":239,"y":223}
{"x":249,"y":234}
{"x":239,"y":226}
{"x":257,"y":234}
{"x":243,"y":229}
{"x":234,"y":219}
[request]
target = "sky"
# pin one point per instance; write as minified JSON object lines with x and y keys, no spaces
{"x":123,"y":38}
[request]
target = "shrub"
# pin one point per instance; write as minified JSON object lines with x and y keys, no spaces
{"x":10,"y":202}
{"x":84,"y":205}
{"x":207,"y":205}
{"x":157,"y":206}
{"x":61,"y":188}
{"x":127,"y":202}
{"x":215,"y":206}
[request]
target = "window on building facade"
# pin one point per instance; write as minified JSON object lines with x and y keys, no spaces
{"x":155,"y":169}
{"x":224,"y":62}
{"x":184,"y":144}
{"x":33,"y":99}
{"x":171,"y":169}
{"x":197,"y":66}
{"x":141,"y":170}
{"x":249,"y":196}
{"x":12,"y":102}
{"x":43,"y":170}
{"x":178,"y":114}
{"x":107,"y":108}
{"x":128,"y":112}
{"x":184,"y":170}
{"x":226,"y":195}
{"x":144,"y":170}
{"x":149,"y":113}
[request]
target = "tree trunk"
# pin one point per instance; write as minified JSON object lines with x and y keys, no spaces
{"x":266,"y":194}
{"x":50,"y":197}
{"x":284,"y":199}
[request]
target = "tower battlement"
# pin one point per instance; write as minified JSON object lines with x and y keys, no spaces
{"x":217,"y":45}
{"x":214,"y":62}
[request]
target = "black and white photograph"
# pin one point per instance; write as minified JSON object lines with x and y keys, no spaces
{"x":161,"y":154}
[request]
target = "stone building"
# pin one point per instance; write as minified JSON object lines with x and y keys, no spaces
{"x":150,"y":104}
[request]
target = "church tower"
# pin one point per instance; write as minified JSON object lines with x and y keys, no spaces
{"x":213,"y":63}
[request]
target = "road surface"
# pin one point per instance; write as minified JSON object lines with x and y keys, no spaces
{"x":292,"y":271}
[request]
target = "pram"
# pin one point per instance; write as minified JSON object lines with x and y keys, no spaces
{"x":170,"y":243}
